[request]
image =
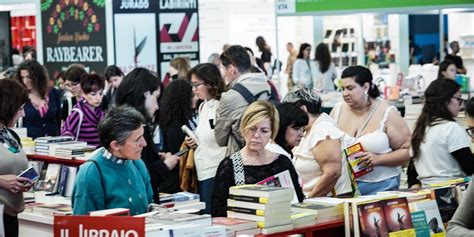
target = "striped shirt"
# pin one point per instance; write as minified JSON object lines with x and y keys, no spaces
{"x":88,"y":129}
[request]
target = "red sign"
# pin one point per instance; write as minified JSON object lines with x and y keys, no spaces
{"x":99,"y":226}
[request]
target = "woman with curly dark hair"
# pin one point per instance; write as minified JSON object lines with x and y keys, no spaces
{"x":43,"y":110}
{"x":176,"y":110}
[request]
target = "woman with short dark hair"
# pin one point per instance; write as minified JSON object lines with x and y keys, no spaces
{"x":43,"y":110}
{"x":86,"y":114}
{"x":114,"y":76}
{"x":13,"y":97}
{"x":115,"y":176}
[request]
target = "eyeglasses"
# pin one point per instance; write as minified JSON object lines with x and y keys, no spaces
{"x":70,"y":85}
{"x":470,"y":131}
{"x":195,"y":85}
{"x":460,"y":99}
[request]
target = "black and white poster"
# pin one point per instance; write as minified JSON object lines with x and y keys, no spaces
{"x":74,"y":31}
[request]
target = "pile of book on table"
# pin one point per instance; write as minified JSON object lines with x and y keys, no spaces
{"x":315,"y":211}
{"x":181,"y":201}
{"x":270,"y":207}
{"x":62,"y":147}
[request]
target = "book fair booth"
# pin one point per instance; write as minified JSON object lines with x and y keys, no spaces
{"x":366,"y":32}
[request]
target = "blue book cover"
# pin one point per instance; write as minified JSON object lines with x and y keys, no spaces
{"x":420,"y":224}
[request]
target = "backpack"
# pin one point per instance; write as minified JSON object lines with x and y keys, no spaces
{"x":272,"y":95}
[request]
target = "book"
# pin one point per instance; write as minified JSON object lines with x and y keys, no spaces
{"x":179,"y":217}
{"x":433,"y":216}
{"x":259,"y":206}
{"x":353,"y":155}
{"x":302,"y":217}
{"x":446,"y":200}
{"x":53,"y":209}
{"x":234,"y":224}
{"x":251,"y":232}
{"x":304,"y":224}
{"x":372,"y":219}
{"x":260,"y":193}
{"x":314,"y":208}
{"x":213,"y":231}
{"x":51,"y":178}
{"x":420,"y":224}
{"x":397,"y":214}
{"x":276,"y":229}
{"x":258,"y":212}
{"x":282,"y":179}
{"x":111,"y":212}
{"x":263,"y":221}
{"x":63,"y":180}
{"x":71,"y":178}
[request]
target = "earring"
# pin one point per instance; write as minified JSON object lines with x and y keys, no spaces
{"x":366,"y":95}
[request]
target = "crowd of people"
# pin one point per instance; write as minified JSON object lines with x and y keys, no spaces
{"x":241,"y":132}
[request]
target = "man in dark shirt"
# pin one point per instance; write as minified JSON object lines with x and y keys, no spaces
{"x":456,"y":59}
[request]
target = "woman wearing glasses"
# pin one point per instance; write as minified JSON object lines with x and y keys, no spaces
{"x":207,"y":86}
{"x":440,"y":145}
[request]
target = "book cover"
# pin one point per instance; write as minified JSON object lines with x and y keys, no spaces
{"x":353,"y":154}
{"x":397,"y":214}
{"x":282,"y":179}
{"x":372,"y":219}
{"x":433,"y":217}
{"x":446,"y":200}
{"x":63,"y":180}
{"x":71,"y":178}
{"x":254,"y":205}
{"x":314,"y":208}
{"x":420,"y":224}
{"x":50,"y":183}
{"x":111,"y":212}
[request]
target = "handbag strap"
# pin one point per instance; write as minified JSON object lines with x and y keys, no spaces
{"x":238,"y":165}
{"x":81,"y":117}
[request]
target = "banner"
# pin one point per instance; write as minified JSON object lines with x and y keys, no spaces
{"x":74,"y":32}
{"x":90,"y":226}
{"x":308,"y":6}
{"x":135,"y":34}
{"x":179,"y":32}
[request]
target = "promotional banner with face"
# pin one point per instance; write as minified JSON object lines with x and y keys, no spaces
{"x":74,"y":32}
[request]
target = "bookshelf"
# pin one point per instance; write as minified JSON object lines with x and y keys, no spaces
{"x":56,"y":160}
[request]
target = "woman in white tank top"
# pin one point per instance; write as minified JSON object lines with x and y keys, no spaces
{"x":367,"y":119}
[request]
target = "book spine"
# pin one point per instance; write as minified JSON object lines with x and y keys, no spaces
{"x":247,"y":211}
{"x":262,"y":200}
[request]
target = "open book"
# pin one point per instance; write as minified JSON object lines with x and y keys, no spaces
{"x":282,"y":179}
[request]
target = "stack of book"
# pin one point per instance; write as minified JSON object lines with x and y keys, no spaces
{"x":43,"y":143}
{"x":69,"y":149}
{"x":235,"y":227}
{"x":326,"y":208}
{"x":268,"y":206}
{"x":181,"y":201}
{"x":53,"y":209}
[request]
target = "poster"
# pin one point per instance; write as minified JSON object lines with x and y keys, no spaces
{"x":135,"y":34}
{"x":74,"y":31}
{"x":179,"y":32}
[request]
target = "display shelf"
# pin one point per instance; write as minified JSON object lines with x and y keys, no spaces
{"x":331,"y":228}
{"x":56,"y":160}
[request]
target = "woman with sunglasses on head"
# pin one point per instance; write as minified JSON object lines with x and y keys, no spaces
{"x":440,"y":145}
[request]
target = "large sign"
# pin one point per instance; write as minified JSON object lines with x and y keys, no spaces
{"x":307,"y":6}
{"x":179,"y":32}
{"x":135,"y":34}
{"x":73,"y":32}
{"x":150,"y":33}
{"x":89,"y":226}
